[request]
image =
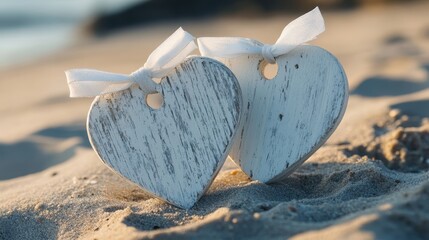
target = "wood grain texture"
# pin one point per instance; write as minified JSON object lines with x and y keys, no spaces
{"x":289,"y":117}
{"x":173,"y":152}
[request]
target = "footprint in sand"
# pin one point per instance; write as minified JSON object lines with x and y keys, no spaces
{"x":403,"y":142}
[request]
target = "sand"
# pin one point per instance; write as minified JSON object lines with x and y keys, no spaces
{"x":369,"y":181}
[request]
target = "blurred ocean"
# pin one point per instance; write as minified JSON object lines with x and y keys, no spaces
{"x":32,"y":28}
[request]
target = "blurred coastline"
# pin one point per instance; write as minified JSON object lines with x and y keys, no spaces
{"x":171,"y":10}
{"x":34,"y":28}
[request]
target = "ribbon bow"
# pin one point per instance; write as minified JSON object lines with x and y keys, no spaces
{"x":299,"y":31}
{"x":90,"y":83}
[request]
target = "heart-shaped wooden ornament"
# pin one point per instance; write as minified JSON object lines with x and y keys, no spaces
{"x":286,"y":119}
{"x":173,"y":152}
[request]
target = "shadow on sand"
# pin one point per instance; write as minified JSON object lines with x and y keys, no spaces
{"x":41,"y":150}
{"x":380,"y":86}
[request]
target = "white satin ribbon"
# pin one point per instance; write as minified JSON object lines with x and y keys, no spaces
{"x":90,"y":83}
{"x":299,"y":31}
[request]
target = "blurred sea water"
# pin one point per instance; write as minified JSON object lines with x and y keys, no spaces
{"x":33,"y":28}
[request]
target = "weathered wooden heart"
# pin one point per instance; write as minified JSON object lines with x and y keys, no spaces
{"x":287,"y":118}
{"x":173,"y":152}
{"x":290,"y":116}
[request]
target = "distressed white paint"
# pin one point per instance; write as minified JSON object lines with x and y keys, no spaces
{"x":173,"y":152}
{"x":289,"y":117}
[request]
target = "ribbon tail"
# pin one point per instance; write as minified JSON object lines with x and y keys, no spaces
{"x":227,"y":47}
{"x":91,"y":83}
{"x":171,"y":52}
{"x":299,"y":31}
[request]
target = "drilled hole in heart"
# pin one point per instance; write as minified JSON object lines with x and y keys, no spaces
{"x":155,"y":100}
{"x":268,"y":70}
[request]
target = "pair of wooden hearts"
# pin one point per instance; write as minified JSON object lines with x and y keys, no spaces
{"x":269,"y":127}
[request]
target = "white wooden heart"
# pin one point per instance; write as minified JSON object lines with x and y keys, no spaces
{"x":173,"y":152}
{"x":289,"y":117}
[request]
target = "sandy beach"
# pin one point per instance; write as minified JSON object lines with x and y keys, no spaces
{"x":369,"y":181}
